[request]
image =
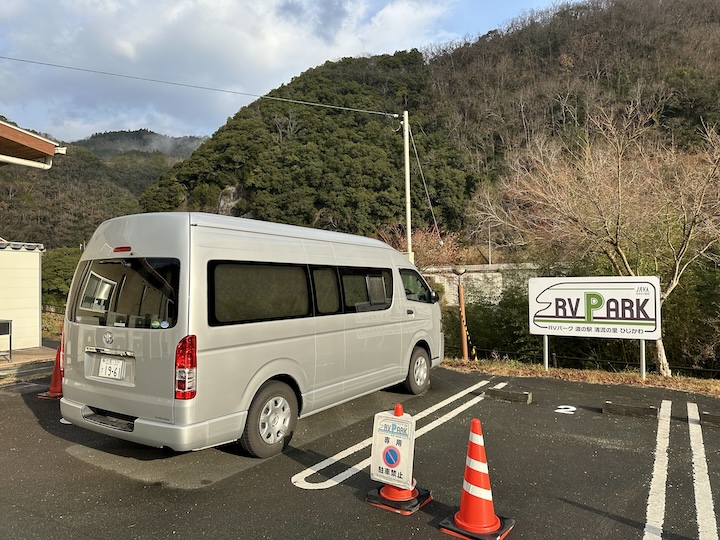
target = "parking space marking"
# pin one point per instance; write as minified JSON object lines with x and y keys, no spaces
{"x":656,"y":500}
{"x":566,"y":409}
{"x":300,"y":479}
{"x":704,"y":507}
{"x":707,"y":525}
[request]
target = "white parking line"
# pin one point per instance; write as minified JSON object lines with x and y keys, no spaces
{"x":300,"y":479}
{"x":704,"y":508}
{"x":656,"y":500}
{"x":707,"y":525}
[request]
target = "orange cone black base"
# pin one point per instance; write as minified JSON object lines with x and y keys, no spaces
{"x":55,"y":391}
{"x":448,"y":527}
{"x":476,"y":519}
{"x":399,"y":500}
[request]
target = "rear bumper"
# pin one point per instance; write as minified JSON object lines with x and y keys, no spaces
{"x":158,"y":434}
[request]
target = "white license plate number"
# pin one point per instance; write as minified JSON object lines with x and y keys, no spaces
{"x":112,"y":368}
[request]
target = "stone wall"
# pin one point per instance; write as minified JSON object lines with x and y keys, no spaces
{"x":484,"y":280}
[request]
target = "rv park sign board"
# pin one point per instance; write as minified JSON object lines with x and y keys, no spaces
{"x":604,"y":307}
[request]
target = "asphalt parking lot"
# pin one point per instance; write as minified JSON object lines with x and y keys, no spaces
{"x":560,"y":466}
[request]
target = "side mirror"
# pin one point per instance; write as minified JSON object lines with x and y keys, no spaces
{"x":434,"y":296}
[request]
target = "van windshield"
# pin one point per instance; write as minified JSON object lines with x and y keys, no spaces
{"x":129,"y":292}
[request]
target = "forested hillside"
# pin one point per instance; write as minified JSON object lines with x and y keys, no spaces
{"x":335,"y":168}
{"x":582,"y":138}
{"x":470,"y":105}
{"x":543,"y":74}
{"x":110,"y":144}
{"x":100,"y":177}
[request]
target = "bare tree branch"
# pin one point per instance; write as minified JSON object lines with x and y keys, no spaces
{"x":616,"y":192}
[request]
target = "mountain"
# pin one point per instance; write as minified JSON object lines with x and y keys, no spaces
{"x":112,"y":143}
{"x":474,"y":107}
{"x":340,"y":165}
{"x":471,"y":105}
{"x":336,"y":166}
{"x":100,"y":177}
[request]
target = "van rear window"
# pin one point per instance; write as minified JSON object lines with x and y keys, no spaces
{"x":130,"y":292}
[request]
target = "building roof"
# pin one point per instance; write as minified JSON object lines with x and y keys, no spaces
{"x":21,"y":147}
{"x":20,"y":246}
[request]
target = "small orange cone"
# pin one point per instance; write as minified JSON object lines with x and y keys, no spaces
{"x":476,"y":518}
{"x":397,"y":499}
{"x":55,"y":391}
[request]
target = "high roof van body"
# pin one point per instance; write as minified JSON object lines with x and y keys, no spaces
{"x":190,"y":330}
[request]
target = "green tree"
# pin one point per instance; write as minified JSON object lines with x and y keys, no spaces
{"x":165,"y":196}
{"x":58,"y":266}
{"x":325,"y":167}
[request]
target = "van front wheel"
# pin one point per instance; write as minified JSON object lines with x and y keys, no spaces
{"x":418,"y":378}
{"x":271,"y":420}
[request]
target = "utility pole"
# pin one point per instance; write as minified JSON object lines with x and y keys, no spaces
{"x":408,"y":220}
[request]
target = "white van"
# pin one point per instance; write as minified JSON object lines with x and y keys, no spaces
{"x":190,"y":330}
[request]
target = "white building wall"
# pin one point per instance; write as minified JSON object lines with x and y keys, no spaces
{"x":21,"y":294}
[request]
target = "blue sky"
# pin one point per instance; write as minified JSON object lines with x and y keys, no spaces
{"x":244,"y":46}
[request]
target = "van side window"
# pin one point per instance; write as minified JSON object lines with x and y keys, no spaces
{"x":366,"y":289}
{"x":245,"y":292}
{"x":327,"y":290}
{"x":415,"y":287}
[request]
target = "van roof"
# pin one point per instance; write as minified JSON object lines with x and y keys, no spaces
{"x":202,"y":219}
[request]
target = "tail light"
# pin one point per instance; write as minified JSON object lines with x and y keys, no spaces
{"x":62,"y":352}
{"x":186,"y":368}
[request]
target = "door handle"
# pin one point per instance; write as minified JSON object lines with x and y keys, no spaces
{"x":410,"y":312}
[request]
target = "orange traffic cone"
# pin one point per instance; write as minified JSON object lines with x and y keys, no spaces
{"x":55,"y":391}
{"x":476,"y":518}
{"x":397,"y":499}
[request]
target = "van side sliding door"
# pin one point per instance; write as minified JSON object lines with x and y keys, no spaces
{"x":373,"y":330}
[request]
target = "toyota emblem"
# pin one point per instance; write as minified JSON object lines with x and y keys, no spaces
{"x":108,"y":338}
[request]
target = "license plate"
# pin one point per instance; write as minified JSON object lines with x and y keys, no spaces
{"x":112,"y":368}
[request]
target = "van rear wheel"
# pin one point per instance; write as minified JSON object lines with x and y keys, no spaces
{"x":418,"y":378}
{"x":271,"y":420}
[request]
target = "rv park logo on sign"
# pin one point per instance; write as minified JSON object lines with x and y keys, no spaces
{"x":606,"y":307}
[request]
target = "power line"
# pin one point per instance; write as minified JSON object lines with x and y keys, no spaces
{"x":427,"y":193}
{"x":198,"y":87}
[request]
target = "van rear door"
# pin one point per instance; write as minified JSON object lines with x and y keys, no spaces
{"x":121,"y":337}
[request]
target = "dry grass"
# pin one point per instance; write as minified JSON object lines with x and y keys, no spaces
{"x":706,"y":387}
{"x":52,"y":327}
{"x":52,"y":324}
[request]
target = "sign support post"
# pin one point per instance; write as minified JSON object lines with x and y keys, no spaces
{"x":642,"y":358}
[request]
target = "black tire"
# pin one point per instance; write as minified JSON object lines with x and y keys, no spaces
{"x":271,"y":420}
{"x":418,"y":377}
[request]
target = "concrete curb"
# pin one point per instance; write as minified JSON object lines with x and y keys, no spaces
{"x":710,"y":418}
{"x":639,"y":411}
{"x":10,"y":374}
{"x":509,"y":395}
